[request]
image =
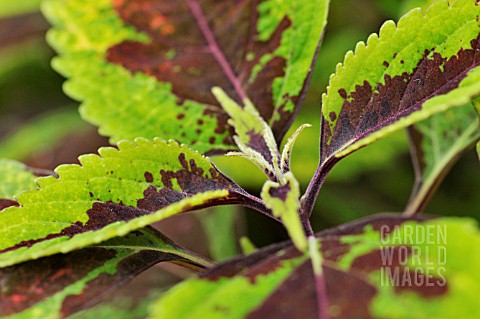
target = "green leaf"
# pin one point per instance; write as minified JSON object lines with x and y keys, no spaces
{"x":220,"y":228}
{"x":408,"y":72}
{"x":457,"y":262}
{"x":415,"y":61}
{"x":256,"y":141}
{"x":437,"y":144}
{"x":233,"y":297}
{"x":255,"y":138}
{"x":152,"y":76}
{"x":14,"y":178}
{"x":59,"y":285}
{"x":411,"y":4}
{"x":283,"y":200}
{"x":279,"y":282}
{"x":110,"y":195}
{"x":121,"y":307}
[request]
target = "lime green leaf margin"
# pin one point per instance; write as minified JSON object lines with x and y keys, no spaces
{"x":423,"y":65}
{"x":127,"y":103}
{"x":273,"y":282}
{"x":71,"y":282}
{"x":417,"y":29}
{"x":110,"y":195}
{"x":203,"y":298}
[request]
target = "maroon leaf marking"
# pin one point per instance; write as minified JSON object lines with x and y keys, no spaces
{"x":236,"y":265}
{"x":280,"y":192}
{"x":29,"y":283}
{"x":296,"y":297}
{"x":349,"y":293}
{"x":127,"y":269}
{"x":148,"y":177}
{"x":283,"y":302}
{"x":23,"y":285}
{"x":190,"y":181}
{"x":196,"y":45}
{"x":4,"y":203}
{"x":104,"y":214}
{"x":372,"y":261}
{"x":257,"y":142}
{"x":366,"y":110}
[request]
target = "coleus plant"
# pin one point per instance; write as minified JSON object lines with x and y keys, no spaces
{"x":228,"y":77}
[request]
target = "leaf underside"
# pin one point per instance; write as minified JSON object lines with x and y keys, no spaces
{"x":425,"y":64}
{"x":110,"y":195}
{"x":278,"y":282}
{"x":146,"y":68}
{"x":437,"y":143}
{"x":60,"y":285}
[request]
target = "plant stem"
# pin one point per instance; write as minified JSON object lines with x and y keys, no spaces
{"x":316,"y":259}
{"x":308,"y":199}
{"x":307,"y":227}
{"x":259,"y":205}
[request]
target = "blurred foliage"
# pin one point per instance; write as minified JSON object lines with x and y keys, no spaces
{"x":39,"y":125}
{"x":359,"y":185}
{"x":120,"y":308}
{"x":41,"y":133}
{"x":15,"y":7}
{"x":221,"y":226}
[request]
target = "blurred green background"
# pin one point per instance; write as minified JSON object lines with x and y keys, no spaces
{"x":40,"y":126}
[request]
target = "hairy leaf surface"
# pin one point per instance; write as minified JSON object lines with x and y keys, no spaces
{"x":437,"y":144}
{"x":146,"y":68}
{"x":62,"y":284}
{"x":423,"y":65}
{"x":110,"y":195}
{"x":278,"y":282}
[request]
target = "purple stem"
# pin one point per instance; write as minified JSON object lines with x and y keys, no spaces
{"x":307,"y":227}
{"x":214,"y":47}
{"x":257,"y":204}
{"x":322,"y":302}
{"x":309,"y":198}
